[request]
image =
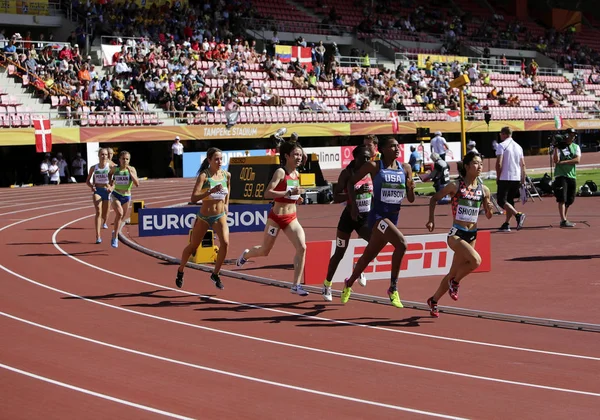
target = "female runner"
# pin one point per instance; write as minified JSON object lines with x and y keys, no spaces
{"x":101,"y":190}
{"x":121,"y":179}
{"x":212,"y":187}
{"x":392,"y":181}
{"x":468,"y":193}
{"x":112,"y":164}
{"x":364,"y":193}
{"x":285,"y":189}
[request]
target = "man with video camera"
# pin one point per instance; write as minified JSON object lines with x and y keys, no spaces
{"x":566,"y":155}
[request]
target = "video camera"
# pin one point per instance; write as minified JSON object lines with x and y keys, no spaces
{"x":278,"y":136}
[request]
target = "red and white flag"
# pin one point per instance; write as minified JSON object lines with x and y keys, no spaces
{"x":395,"y":122}
{"x":43,"y":135}
{"x":304,"y":56}
{"x":452,"y":115}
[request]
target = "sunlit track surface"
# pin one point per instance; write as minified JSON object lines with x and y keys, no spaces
{"x":105,"y":330}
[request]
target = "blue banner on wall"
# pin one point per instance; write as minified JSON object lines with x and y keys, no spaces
{"x":193,"y":160}
{"x":179,"y":220}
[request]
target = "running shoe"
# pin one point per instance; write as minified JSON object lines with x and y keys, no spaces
{"x":99,"y":240}
{"x":217,"y":281}
{"x":326,"y":292}
{"x":433,"y":308}
{"x":395,"y":298}
{"x":566,"y":224}
{"x":362,"y":280}
{"x":241,"y":261}
{"x":520,"y":220}
{"x":104,"y":226}
{"x":179,"y":279}
{"x":299,"y":290}
{"x":504,"y":228}
{"x":453,"y":289}
{"x":114,"y":242}
{"x":346,"y":292}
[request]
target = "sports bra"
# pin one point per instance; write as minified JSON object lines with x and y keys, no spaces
{"x":287,"y":184}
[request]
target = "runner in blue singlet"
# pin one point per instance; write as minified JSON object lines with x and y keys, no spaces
{"x":392,"y":181}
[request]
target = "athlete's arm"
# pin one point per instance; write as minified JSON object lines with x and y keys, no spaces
{"x":270,"y":192}
{"x":487,"y":203}
{"x":111,"y":177}
{"x":449,"y":189}
{"x":88,"y":181}
{"x":499,"y":163}
{"x":339,"y":193}
{"x":410,"y":184}
{"x":134,"y":177}
{"x":226,"y":202}
{"x":197,"y":195}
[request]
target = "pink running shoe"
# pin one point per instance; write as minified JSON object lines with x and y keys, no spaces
{"x":453,"y":289}
{"x":433,"y":308}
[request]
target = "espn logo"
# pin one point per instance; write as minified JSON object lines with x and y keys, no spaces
{"x":422,"y":255}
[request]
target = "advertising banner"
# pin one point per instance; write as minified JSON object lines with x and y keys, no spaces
{"x":329,"y":157}
{"x":427,"y":255}
{"x":179,"y":220}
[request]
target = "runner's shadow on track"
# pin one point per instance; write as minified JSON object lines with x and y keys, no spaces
{"x":166,"y":304}
{"x":269,"y":267}
{"x":496,"y":231}
{"x":67,"y":228}
{"x":413,"y":321}
{"x":72,"y":254}
{"x":315,"y":310}
{"x":149,"y":294}
{"x":45,"y":243}
{"x":555,"y":258}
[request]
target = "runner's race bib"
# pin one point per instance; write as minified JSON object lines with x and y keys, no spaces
{"x":101,"y":177}
{"x":122,"y":179}
{"x":392,"y":193}
{"x":291,"y":184}
{"x":468,"y":211}
{"x":363,"y":202}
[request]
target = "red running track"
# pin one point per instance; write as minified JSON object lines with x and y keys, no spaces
{"x":88,"y":327}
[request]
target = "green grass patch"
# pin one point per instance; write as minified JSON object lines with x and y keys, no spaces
{"x":426,"y":188}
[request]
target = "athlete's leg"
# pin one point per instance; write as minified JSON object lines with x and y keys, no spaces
{"x":341,"y":244}
{"x":222,"y":230}
{"x":198,"y":232}
{"x":269,"y":237}
{"x":97,"y":218}
{"x":295,"y":234}
{"x":470,"y":259}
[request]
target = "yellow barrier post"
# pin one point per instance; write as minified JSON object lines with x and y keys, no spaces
{"x":207,"y":251}
{"x":459,"y":83}
{"x":135,"y":208}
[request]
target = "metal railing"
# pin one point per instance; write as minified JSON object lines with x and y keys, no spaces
{"x":267,"y":26}
{"x":495,"y":64}
{"x":39,"y":45}
{"x":152,"y":118}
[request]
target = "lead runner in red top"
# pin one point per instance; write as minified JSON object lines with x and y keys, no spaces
{"x":468,"y":194}
{"x":285,"y":191}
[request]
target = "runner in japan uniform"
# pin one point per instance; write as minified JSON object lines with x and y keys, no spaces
{"x":468,"y":194}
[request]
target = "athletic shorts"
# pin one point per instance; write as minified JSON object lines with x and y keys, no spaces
{"x":565,"y":189}
{"x":468,"y":236}
{"x":347,"y":224}
{"x":123,"y":199}
{"x":103,"y":193}
{"x":282,"y":220}
{"x":210,"y":220}
{"x":375,"y":217}
{"x":507,"y":192}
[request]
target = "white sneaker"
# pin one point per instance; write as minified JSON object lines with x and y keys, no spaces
{"x":241,"y":260}
{"x":299,"y":290}
{"x":362,"y":280}
{"x":326,"y":292}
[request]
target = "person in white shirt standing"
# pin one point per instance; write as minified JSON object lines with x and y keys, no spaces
{"x":63,"y":169}
{"x":177,"y":157}
{"x":439,"y":145}
{"x":78,"y":166}
{"x":510,"y":167}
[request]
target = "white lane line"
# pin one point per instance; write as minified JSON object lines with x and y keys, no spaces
{"x":47,"y":206}
{"x":299,"y":347}
{"x":95,"y":394}
{"x":312,"y":317}
{"x":227,"y":373}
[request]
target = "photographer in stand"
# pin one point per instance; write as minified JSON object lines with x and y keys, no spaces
{"x":565,"y":156}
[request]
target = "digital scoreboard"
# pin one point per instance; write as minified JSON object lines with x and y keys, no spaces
{"x":250,"y":176}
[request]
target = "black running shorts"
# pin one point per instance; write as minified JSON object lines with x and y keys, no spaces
{"x":347,"y":225}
